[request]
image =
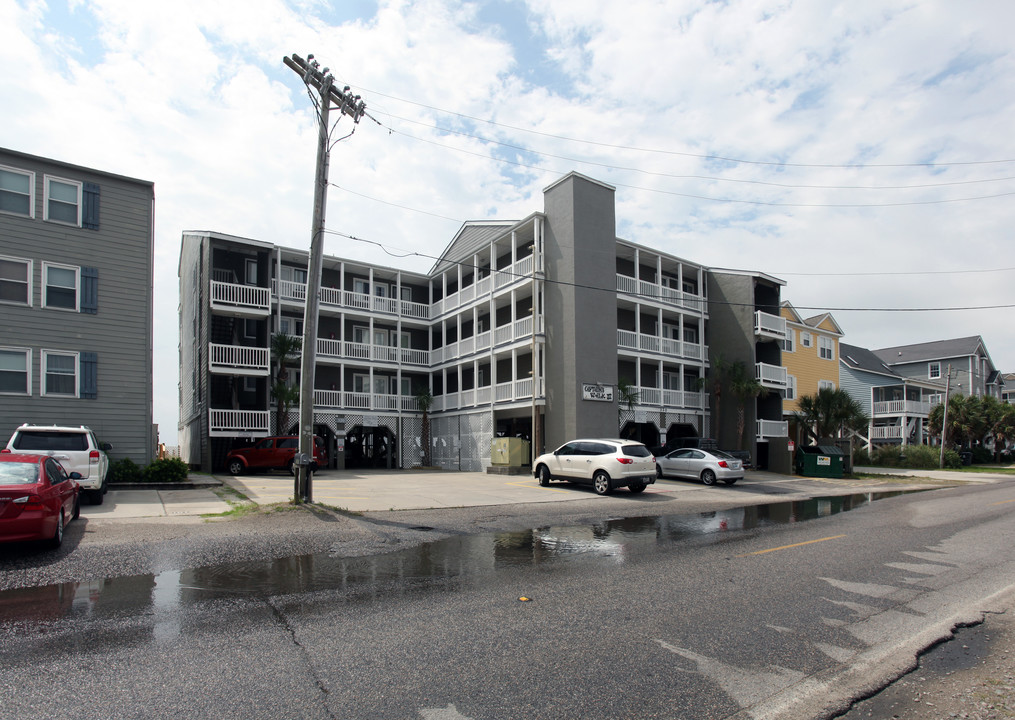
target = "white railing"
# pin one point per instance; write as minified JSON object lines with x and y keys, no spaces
{"x":357,"y":351}
{"x":772,"y":429}
{"x":234,"y":295}
{"x":419,"y":311}
{"x":359,"y":301}
{"x":357,"y":400}
{"x":384,"y":353}
{"x":329,"y":348}
{"x":236,"y":357}
{"x":886,"y":432}
{"x":769,"y":325}
{"x":225,"y":423}
{"x":289,"y":290}
{"x":327,"y":399}
{"x":662,"y":293}
{"x":385,"y":305}
{"x":694,"y":352}
{"x":415,"y":357}
{"x":467,"y":346}
{"x":502,"y":334}
{"x":330,"y":296}
{"x":650,"y":396}
{"x":901,"y":407}
{"x":483,"y":340}
{"x":771,"y":375}
{"x":627,"y":339}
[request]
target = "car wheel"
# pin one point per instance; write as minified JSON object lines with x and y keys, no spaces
{"x":57,"y":539}
{"x":601,"y":483}
{"x":235,"y":467}
{"x":77,"y":508}
{"x":95,"y":497}
{"x":637,"y":488}
{"x":731,"y":481}
{"x":708,"y":477}
{"x":659,"y":471}
{"x":544,"y":475}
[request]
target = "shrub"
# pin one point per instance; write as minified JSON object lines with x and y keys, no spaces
{"x":124,"y":470}
{"x":166,"y":471}
{"x":917,"y":457}
{"x":921,"y":457}
{"x":982,"y":455}
{"x":861,"y":457}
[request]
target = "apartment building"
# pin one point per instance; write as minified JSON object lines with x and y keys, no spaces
{"x":746,"y":328}
{"x":76,"y":254}
{"x":541,"y":320}
{"x":810,"y":354}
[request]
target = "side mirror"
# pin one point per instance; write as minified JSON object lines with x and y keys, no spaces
{"x":75,"y":475}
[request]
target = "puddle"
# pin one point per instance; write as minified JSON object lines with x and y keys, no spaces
{"x":461,"y":558}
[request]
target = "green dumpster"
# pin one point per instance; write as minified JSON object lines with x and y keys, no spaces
{"x":820,"y":461}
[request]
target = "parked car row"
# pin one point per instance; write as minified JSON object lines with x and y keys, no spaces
{"x":607,"y":464}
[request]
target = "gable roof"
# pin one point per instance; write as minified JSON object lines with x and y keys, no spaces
{"x":472,"y":236}
{"x":824,"y":322}
{"x":936,"y":350}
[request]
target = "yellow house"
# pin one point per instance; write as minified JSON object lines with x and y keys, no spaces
{"x":810,"y":355}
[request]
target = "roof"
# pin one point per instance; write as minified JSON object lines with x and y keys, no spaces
{"x":860,"y":358}
{"x":470,"y":238}
{"x":935,"y":350}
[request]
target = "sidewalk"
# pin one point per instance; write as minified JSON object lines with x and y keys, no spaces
{"x":120,"y":504}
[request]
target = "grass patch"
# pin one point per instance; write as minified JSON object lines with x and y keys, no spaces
{"x":339,"y":510}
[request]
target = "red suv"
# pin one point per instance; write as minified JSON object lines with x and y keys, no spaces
{"x":271,"y":453}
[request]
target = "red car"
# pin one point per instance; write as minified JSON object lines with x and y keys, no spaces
{"x":273,"y":453}
{"x":37,"y":498}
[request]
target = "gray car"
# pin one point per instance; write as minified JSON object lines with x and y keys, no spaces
{"x":696,"y":464}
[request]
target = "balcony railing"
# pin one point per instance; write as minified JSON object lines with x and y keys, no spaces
{"x":771,"y":376}
{"x":338,"y":350}
{"x":629,"y":340}
{"x":239,"y":360}
{"x":886,"y":432}
{"x":772,"y":429}
{"x":657,"y":397}
{"x":235,"y":296}
{"x":901,"y":407}
{"x":237,"y":423}
{"x":289,"y":291}
{"x":661,"y":293}
{"x":770,"y":326}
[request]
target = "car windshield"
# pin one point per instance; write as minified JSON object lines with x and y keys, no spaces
{"x":636,"y":451}
{"x":19,"y":473}
{"x":48,"y":440}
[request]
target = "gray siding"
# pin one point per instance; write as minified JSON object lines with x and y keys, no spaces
{"x":119,"y":332}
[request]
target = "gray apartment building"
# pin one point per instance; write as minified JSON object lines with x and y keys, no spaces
{"x":76,"y":253}
{"x":543,"y":320}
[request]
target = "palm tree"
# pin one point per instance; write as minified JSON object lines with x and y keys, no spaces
{"x":714,"y":383}
{"x":424,"y":400}
{"x":830,"y":413}
{"x":284,"y":349}
{"x":745,"y":387}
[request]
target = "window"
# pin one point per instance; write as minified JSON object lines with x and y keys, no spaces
{"x":826,"y":348}
{"x":15,"y":371}
{"x":60,"y":372}
{"x":250,"y":329}
{"x":16,"y":281}
{"x":17,"y":192}
{"x":361,"y":334}
{"x":789,"y":344}
{"x":291,"y":326}
{"x":934,"y":370}
{"x":823,"y":384}
{"x":63,"y":201}
{"x":790,"y":387}
{"x":690,"y":334}
{"x":250,"y":271}
{"x":361,"y":286}
{"x":806,"y":340}
{"x":249,"y":384}
{"x":60,"y":286}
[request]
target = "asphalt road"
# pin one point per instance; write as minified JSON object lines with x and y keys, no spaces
{"x":767,"y":611}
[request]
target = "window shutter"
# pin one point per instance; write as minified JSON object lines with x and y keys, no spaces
{"x":90,"y":206}
{"x":89,"y":388}
{"x":90,"y":290}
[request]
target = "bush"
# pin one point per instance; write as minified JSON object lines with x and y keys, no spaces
{"x":982,"y":455}
{"x":124,"y":470}
{"x":861,"y":457}
{"x":916,"y":457}
{"x":166,"y":471}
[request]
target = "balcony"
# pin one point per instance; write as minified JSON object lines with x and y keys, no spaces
{"x":237,"y":360}
{"x":237,"y":423}
{"x":772,"y":429}
{"x":659,"y":398}
{"x":769,"y":326}
{"x":660,"y":293}
{"x":773,"y":377}
{"x":886,"y":432}
{"x":339,"y":350}
{"x":895,"y":408}
{"x":240,"y":300}
{"x":627,"y":340}
{"x":294,"y":292}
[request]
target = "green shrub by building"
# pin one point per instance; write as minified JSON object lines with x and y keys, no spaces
{"x":125,"y":470}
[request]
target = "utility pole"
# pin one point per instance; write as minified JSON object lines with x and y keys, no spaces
{"x":944,"y":420}
{"x":323,"y":82}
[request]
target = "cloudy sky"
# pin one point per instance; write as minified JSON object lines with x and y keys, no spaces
{"x":863,"y":151}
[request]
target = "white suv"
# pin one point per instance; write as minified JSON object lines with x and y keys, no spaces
{"x":606,"y":464}
{"x":75,"y":447}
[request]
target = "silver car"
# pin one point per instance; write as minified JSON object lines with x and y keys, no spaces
{"x":706,"y":465}
{"x":605,"y":463}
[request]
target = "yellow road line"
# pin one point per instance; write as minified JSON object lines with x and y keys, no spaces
{"x":786,"y":547}
{"x":1003,"y":502}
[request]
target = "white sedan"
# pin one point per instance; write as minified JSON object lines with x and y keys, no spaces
{"x":706,"y":465}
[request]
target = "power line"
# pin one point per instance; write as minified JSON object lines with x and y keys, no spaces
{"x":699,"y":156}
{"x":648,"y":296}
{"x":692,"y":196}
{"x":520,"y":148}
